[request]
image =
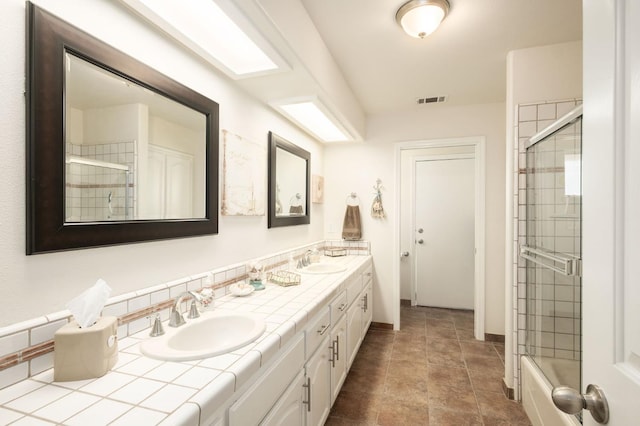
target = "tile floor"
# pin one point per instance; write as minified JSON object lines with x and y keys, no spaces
{"x":432,"y":372}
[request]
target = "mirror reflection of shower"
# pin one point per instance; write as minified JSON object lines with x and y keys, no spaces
{"x":97,"y":190}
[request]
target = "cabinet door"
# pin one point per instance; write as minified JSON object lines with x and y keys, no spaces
{"x":289,"y":410}
{"x":367,"y":309}
{"x":338,"y":345}
{"x":318,"y":379}
{"x":354,"y":331}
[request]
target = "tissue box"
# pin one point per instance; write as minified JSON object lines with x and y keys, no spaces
{"x":85,"y":353}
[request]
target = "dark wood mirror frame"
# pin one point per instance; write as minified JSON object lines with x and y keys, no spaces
{"x":48,"y":38}
{"x":275,"y":142}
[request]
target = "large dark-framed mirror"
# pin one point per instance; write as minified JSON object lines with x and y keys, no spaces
{"x":289,"y":183}
{"x":116,"y":151}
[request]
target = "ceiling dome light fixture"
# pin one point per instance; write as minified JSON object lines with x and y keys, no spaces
{"x":419,"y":18}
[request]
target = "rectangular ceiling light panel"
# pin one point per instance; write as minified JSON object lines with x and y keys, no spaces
{"x":315,"y":118}
{"x":204,"y":27}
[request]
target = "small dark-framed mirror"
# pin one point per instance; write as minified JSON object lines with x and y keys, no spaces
{"x":88,"y":183}
{"x":289,"y":183}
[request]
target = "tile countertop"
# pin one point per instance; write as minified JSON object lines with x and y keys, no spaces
{"x":144,"y":391}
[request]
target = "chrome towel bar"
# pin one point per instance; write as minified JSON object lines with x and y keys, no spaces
{"x":567,"y":264}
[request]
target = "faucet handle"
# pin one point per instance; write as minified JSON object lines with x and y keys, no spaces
{"x":157,"y":329}
{"x":175,"y":318}
{"x":193,"y":310}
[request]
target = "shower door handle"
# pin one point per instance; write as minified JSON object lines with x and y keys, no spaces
{"x":571,"y":401}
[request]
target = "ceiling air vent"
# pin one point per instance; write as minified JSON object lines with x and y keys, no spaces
{"x":431,"y":100}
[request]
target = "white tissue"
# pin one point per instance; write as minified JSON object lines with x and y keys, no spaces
{"x":87,"y":306}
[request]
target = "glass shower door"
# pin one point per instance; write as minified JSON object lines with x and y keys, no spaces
{"x":553,"y":252}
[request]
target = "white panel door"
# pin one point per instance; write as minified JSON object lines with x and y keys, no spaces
{"x":179,"y":186}
{"x":445,"y":234}
{"x":611,"y":206}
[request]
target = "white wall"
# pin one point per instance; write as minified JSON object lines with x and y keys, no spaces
{"x":37,"y":285}
{"x":355,"y":168}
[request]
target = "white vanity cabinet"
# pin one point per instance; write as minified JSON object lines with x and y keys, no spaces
{"x":360,"y":312}
{"x":338,"y":356}
{"x":367,"y":299}
{"x":338,"y":343}
{"x":318,"y":385}
{"x":291,"y":408}
{"x":317,"y":368}
{"x":254,"y":404}
{"x":300,"y":387}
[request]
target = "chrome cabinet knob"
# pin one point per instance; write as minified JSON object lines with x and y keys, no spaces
{"x":571,"y":401}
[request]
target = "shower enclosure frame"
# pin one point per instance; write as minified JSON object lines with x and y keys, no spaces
{"x":551,"y":268}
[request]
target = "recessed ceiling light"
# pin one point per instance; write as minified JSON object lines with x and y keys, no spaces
{"x":207,"y":29}
{"x":313,"y":116}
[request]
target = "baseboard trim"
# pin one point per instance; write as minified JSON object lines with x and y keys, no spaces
{"x":381,"y":326}
{"x":508,"y":392}
{"x":405,"y":302}
{"x":496,"y":338}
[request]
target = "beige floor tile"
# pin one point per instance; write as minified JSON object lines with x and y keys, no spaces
{"x":432,"y":372}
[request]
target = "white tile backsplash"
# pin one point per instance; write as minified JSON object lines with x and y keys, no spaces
{"x":41,"y":363}
{"x":14,"y":374}
{"x":45,"y":332}
{"x":13,"y":343}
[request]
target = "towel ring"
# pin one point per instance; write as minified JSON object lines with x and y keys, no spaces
{"x":353,"y":199}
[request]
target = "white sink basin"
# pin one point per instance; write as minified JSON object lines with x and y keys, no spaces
{"x":323,"y":268}
{"x":214,"y":333}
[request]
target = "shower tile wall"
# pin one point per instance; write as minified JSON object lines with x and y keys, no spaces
{"x":530,"y":119}
{"x":88,"y":187}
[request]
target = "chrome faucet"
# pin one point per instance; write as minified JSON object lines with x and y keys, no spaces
{"x":175,"y":317}
{"x":304,"y":260}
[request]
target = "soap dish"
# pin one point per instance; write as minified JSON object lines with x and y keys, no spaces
{"x":284,"y":278}
{"x":241,"y":289}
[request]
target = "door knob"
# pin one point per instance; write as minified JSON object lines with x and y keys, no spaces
{"x":572,"y":402}
{"x":405,"y":254}
{"x":420,"y":241}
{"x":420,"y":231}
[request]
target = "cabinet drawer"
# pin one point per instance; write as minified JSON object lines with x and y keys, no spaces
{"x":367,"y":275}
{"x":354,"y":287}
{"x":338,"y":307}
{"x":254,"y":404}
{"x":317,"y":329}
